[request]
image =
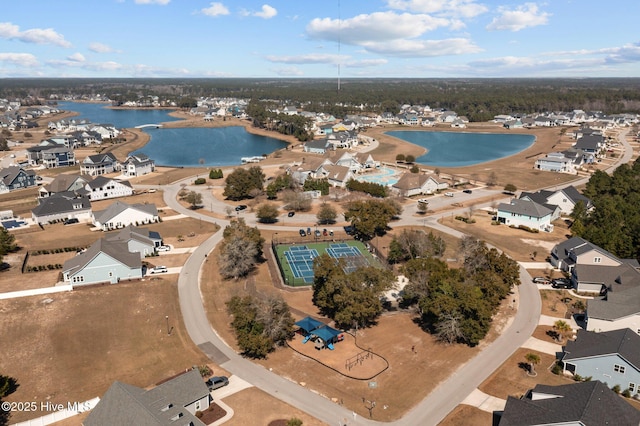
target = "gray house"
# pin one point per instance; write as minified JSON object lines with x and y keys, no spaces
{"x":104,"y":262}
{"x":14,"y":177}
{"x":64,"y":183}
{"x":60,"y":206}
{"x":138,"y":240}
{"x":316,"y":147}
{"x":119,"y":214}
{"x":523,"y":212}
{"x":584,"y":403}
{"x":612,"y":357}
{"x":578,"y":251}
{"x":174,"y":402}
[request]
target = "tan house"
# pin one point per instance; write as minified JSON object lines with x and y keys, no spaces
{"x":411,"y":184}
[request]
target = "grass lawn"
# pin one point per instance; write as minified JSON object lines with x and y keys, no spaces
{"x":72,"y":346}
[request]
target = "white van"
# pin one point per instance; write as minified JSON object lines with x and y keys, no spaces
{"x":448,"y":194}
{"x":159,"y":269}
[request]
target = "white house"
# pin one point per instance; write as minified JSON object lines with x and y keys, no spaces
{"x":138,"y":165}
{"x":411,"y":184}
{"x":336,"y":175}
{"x":565,"y":198}
{"x":102,"y":188}
{"x":617,"y":311}
{"x":119,"y":214}
{"x":60,"y":206}
{"x":555,"y":162}
{"x":138,"y":240}
{"x":99,"y":164}
{"x":520,"y":212}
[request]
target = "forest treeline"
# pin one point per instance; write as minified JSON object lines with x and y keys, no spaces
{"x":477,"y":99}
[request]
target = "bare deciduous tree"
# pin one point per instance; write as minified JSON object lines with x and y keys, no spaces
{"x":448,"y":329}
{"x":237,"y":257}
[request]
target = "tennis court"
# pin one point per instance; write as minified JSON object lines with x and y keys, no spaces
{"x":300,"y":260}
{"x":296,"y":261}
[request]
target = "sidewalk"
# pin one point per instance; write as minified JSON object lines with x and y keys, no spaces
{"x":485,"y":402}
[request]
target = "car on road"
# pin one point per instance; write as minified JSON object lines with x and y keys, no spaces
{"x":541,"y":280}
{"x":302,"y":233}
{"x":158,"y":270}
{"x":164,"y":248}
{"x":561,"y":283}
{"x":241,"y":207}
{"x":448,"y":194}
{"x":423,"y":200}
{"x":291,"y":214}
{"x":467,"y":191}
{"x":217,"y":382}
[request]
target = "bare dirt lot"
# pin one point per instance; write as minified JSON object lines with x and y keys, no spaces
{"x":72,"y":346}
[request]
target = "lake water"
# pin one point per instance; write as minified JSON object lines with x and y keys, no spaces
{"x":453,"y":149}
{"x":183,"y":147}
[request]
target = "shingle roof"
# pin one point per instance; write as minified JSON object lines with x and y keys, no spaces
{"x":61,"y":202}
{"x":588,"y":344}
{"x":124,"y":404}
{"x":63,"y":182}
{"x":525,"y":207}
{"x":589,"y":403}
{"x":101,"y":181}
{"x":115,"y":249}
{"x":118,"y":207}
{"x":617,"y":304}
{"x":9,"y":174}
{"x":131,"y":232}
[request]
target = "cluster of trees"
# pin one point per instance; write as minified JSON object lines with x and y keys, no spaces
{"x":321,"y":185}
{"x":349,"y":299}
{"x":265,"y":118}
{"x":260,"y":325}
{"x":8,"y":385}
{"x":326,"y":214}
{"x":371,"y":188}
{"x":412,"y":244}
{"x":244,"y":183}
{"x":7,"y":243}
{"x":401,"y":158}
{"x":284,"y":181}
{"x":216,"y":174}
{"x":614,"y":224}
{"x":371,"y":217}
{"x":240,"y":250}
{"x":457,"y":304}
{"x":477,"y":99}
{"x":267,"y":213}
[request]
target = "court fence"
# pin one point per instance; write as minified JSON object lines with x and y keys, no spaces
{"x":285,"y":268}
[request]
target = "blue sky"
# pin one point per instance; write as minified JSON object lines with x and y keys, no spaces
{"x":315,"y":38}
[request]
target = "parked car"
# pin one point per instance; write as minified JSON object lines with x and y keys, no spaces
{"x":291,"y":214}
{"x":241,"y":207}
{"x":423,"y":200}
{"x":164,"y":248}
{"x":561,"y":283}
{"x":70,"y":221}
{"x":158,"y":270}
{"x":318,"y":234}
{"x":302,"y":233}
{"x":448,"y":194}
{"x":217,"y":382}
{"x":467,"y":191}
{"x":541,"y":280}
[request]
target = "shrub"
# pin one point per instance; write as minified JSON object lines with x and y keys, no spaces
{"x":626,"y":393}
{"x":556,"y":369}
{"x":616,"y":389}
{"x":200,"y":181}
{"x":526,"y":228}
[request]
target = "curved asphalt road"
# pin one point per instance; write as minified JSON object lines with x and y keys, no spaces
{"x":430,"y":411}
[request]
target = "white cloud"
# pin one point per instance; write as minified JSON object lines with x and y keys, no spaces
{"x":161,"y":2}
{"x":366,"y":63}
{"x":423,"y":48}
{"x":313,"y":58}
{"x":522,"y":17}
{"x":37,"y":35}
{"x":19,"y":59}
{"x":455,"y":8}
{"x":91,"y":66}
{"x":215,"y":9}
{"x":76,"y":57}
{"x":379,"y":26}
{"x":101,"y":48}
{"x":267,"y":12}
{"x":288,"y":72}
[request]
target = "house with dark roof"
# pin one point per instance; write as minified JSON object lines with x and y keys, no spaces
{"x":592,"y":143}
{"x":618,"y":309}
{"x":565,"y":198}
{"x":578,"y":251}
{"x":60,"y":206}
{"x":15,"y":177}
{"x":523,"y":212}
{"x":172,"y":403}
{"x":99,"y":164}
{"x":103,"y":262}
{"x":64,"y":183}
{"x":120,"y":214}
{"x":137,"y":165}
{"x":138,"y":240}
{"x":318,"y":146}
{"x":612,"y":357}
{"x":103,"y":188}
{"x":599,"y":279}
{"x":58,"y":157}
{"x":411,"y":184}
{"x":585,"y":403}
